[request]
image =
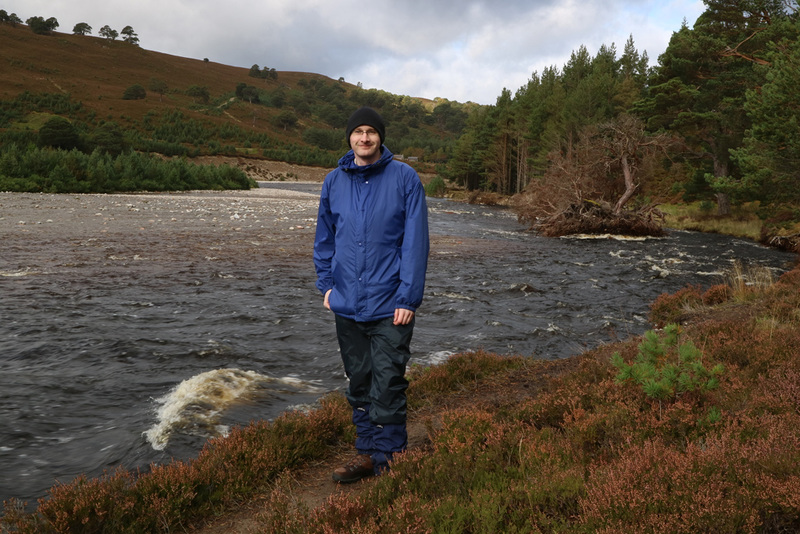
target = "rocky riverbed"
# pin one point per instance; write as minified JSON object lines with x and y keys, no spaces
{"x":206,"y":223}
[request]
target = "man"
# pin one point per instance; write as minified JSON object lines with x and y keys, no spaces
{"x":371,"y":254}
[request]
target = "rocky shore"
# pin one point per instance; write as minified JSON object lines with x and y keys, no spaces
{"x":225,"y":210}
{"x":74,"y":228}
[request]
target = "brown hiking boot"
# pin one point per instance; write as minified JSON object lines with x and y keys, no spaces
{"x":356,"y":469}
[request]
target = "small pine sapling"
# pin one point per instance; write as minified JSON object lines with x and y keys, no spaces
{"x":665,"y":368}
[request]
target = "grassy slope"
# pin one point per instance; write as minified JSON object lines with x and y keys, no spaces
{"x":96,"y":72}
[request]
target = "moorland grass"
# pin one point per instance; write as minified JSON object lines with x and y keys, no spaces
{"x":699,"y":217}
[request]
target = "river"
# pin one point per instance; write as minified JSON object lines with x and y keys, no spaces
{"x":136,"y":326}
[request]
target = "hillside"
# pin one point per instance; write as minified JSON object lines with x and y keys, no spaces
{"x":96,"y":72}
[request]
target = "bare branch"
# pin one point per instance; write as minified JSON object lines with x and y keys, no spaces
{"x":734,"y":52}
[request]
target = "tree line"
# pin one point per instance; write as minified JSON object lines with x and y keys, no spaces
{"x":34,"y":169}
{"x":42,"y":26}
{"x":716,"y":118}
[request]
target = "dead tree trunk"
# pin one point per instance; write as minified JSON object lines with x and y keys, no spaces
{"x":630,"y":185}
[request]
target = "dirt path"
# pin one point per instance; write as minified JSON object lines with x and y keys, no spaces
{"x":261,"y":169}
{"x":312,"y":486}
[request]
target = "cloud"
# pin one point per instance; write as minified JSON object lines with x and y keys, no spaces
{"x":429,"y":48}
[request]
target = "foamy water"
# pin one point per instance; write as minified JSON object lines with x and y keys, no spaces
{"x":196,"y":405}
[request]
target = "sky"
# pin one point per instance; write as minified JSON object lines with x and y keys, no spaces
{"x":461,"y":50}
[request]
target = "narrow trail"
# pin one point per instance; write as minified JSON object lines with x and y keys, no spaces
{"x":312,"y":485}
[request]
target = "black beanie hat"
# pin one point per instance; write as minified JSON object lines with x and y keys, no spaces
{"x":366,"y":116}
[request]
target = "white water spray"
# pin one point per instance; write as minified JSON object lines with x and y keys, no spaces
{"x":195,"y":405}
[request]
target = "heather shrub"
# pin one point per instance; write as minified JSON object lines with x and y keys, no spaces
{"x":639,"y":493}
{"x":717,"y":294}
{"x":282,"y":512}
{"x":594,"y":430}
{"x":343,"y":514}
{"x":169,"y":494}
{"x":548,"y":409}
{"x":459,"y":372}
{"x":669,"y":308}
{"x":733,"y":481}
{"x":790,"y":278}
{"x":753,"y":350}
{"x":88,"y":505}
{"x":551,"y":482}
{"x":409,"y":513}
{"x":688,"y":419}
{"x":586,"y":386}
{"x":723,"y":340}
{"x":784,"y":313}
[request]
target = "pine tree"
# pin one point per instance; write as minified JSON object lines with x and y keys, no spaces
{"x":699,"y":87}
{"x":770,"y":156}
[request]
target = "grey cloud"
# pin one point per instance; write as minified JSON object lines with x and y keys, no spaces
{"x":449,"y":48}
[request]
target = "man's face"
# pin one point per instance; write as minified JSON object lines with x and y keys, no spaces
{"x":366,"y":144}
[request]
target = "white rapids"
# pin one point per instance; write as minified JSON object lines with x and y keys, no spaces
{"x":195,"y":405}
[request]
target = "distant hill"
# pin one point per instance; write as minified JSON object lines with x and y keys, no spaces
{"x":295,"y":113}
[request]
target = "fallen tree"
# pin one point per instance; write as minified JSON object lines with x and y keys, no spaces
{"x":590,"y":182}
{"x":590,"y":217}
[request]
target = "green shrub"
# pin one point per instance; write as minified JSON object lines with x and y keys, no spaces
{"x":108,"y":137}
{"x":665,"y":369}
{"x":436,"y":187}
{"x":134,"y":92}
{"x":325,"y":139}
{"x":58,"y":132}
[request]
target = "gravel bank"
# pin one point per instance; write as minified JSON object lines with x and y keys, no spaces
{"x":232,"y":210}
{"x":41,"y":231}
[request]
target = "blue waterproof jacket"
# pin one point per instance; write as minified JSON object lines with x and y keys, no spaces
{"x":371,"y":246}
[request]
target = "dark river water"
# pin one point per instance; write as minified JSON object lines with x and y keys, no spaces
{"x":101,"y":367}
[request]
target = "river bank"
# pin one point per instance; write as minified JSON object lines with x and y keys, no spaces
{"x":120,"y":297}
{"x":557,"y":445}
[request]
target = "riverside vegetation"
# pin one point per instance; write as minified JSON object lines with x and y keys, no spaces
{"x":715,"y":121}
{"x":694,"y":428}
{"x":61,"y":171}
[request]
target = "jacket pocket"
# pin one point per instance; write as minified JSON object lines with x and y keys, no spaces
{"x":336,"y":302}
